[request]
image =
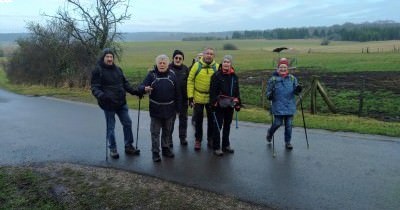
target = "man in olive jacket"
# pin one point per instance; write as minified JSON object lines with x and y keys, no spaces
{"x":198,"y":91}
{"x":109,"y":86}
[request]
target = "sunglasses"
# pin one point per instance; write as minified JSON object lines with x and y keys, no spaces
{"x":178,"y":58}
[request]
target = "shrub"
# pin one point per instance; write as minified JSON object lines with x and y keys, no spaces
{"x":230,"y":46}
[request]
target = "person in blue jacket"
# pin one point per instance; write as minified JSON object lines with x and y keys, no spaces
{"x":165,"y":101}
{"x":281,"y":90}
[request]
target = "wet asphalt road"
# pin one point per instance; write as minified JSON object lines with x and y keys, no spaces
{"x":338,"y":171}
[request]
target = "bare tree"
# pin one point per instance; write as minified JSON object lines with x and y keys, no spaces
{"x":64,"y":51}
{"x":95,"y":26}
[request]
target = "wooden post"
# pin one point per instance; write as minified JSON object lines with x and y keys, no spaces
{"x":263,"y":89}
{"x":313,"y":94}
{"x":361,"y":97}
{"x":326,"y":98}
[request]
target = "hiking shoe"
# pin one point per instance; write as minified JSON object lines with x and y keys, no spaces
{"x":184,"y":142}
{"x":228,"y":150}
{"x":197,"y":145}
{"x":218,"y":152}
{"x":269,"y":137}
{"x":156,"y":157}
{"x":166,"y":152}
{"x":114,"y":154}
{"x":131,"y":150}
{"x":288,"y":146}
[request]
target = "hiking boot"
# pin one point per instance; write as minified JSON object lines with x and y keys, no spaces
{"x":197,"y":145}
{"x":171,"y":145}
{"x":156,"y":157}
{"x":114,"y":154}
{"x":184,"y":142}
{"x":131,"y":150}
{"x":218,"y":152}
{"x":269,"y":137}
{"x":288,"y":146}
{"x":166,"y":152}
{"x":228,"y":150}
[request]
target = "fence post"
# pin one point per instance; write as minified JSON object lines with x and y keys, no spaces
{"x":361,"y":96}
{"x":263,"y":89}
{"x":313,"y":94}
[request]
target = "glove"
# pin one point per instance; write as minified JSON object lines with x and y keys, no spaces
{"x":298,"y":89}
{"x":271,"y":95}
{"x":103,"y":98}
{"x":191,"y":103}
{"x":237,"y":108}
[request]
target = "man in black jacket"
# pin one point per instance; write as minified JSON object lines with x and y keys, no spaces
{"x":109,"y":86}
{"x":164,"y":102}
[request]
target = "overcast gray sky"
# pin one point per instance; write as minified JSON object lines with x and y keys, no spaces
{"x":215,"y":15}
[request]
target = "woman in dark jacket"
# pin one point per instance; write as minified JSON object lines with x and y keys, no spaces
{"x":224,"y":99}
{"x":109,"y":86}
{"x":181,"y":72}
{"x":164,"y":102}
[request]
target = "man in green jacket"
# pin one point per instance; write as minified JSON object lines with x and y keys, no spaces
{"x":198,"y":90}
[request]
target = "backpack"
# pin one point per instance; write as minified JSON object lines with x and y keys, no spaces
{"x":214,"y":67}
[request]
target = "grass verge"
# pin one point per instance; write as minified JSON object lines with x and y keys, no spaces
{"x":71,"y":186}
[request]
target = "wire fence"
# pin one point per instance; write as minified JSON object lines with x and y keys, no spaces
{"x":367,"y":94}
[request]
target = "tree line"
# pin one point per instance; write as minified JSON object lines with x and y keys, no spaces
{"x":376,"y":31}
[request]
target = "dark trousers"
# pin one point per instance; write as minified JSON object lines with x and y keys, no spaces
{"x":183,"y":120}
{"x":199,"y":113}
{"x":222,"y":120}
{"x":164,"y":126}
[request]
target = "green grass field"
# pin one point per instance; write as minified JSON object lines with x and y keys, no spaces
{"x":255,"y":55}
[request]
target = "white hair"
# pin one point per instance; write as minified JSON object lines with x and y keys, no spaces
{"x":162,"y":57}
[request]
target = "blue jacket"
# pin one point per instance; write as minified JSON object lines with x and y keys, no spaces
{"x":283,"y":94}
{"x":165,"y":99}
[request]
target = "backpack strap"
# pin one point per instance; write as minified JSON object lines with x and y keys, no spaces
{"x":214,"y":67}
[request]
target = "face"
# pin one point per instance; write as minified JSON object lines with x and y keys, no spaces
{"x":178,"y":60}
{"x":162,"y":65}
{"x":283,"y":69}
{"x":226,"y":65}
{"x":208,"y":56}
{"x":108,"y":59}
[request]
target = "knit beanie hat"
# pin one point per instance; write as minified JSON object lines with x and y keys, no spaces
{"x":107,"y":51}
{"x":283,"y":61}
{"x":178,"y":52}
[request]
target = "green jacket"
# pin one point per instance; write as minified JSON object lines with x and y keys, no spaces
{"x":198,"y":84}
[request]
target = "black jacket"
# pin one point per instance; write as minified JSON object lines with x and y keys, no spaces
{"x":181,"y":73}
{"x":109,"y":86}
{"x":165,"y":99}
{"x":224,"y":85}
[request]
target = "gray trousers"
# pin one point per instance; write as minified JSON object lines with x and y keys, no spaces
{"x":164,"y":126}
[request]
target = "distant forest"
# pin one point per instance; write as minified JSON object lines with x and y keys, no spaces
{"x":376,"y":31}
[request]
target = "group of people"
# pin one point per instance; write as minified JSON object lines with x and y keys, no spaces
{"x":173,"y":88}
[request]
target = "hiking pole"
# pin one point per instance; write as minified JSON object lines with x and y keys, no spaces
{"x":236,"y":120}
{"x":137,"y":127}
{"x":304,"y":122}
{"x":106,"y":150}
{"x":216,"y":121}
{"x":273,"y":138}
